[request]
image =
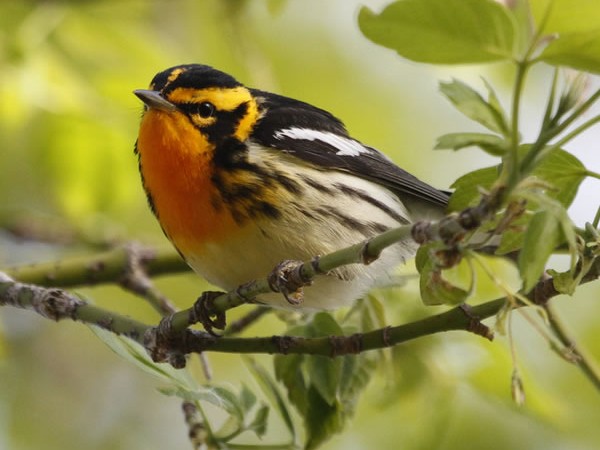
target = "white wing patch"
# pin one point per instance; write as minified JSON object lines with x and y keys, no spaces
{"x":344,"y":146}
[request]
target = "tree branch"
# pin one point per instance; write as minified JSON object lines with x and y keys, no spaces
{"x":172,"y":347}
{"x":57,"y":304}
{"x":106,"y":267}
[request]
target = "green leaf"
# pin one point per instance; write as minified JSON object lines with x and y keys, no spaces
{"x":469,"y":102}
{"x":436,"y":290}
{"x":490,"y":143}
{"x":247,"y":398}
{"x":322,"y":419}
{"x":357,"y":371}
{"x":579,"y":50}
{"x":260,"y":421}
{"x":564,"y":172}
{"x":576,"y":26}
{"x":497,"y":108}
{"x":219,"y":396}
{"x":467,"y":188}
{"x":271,"y":391}
{"x":288,"y":370}
{"x":443,"y":31}
{"x":542,"y":236}
{"x":324,"y":374}
{"x":323,"y":324}
{"x":512,"y":239}
{"x":137,"y":355}
{"x":563,"y":282}
{"x":524,"y":22}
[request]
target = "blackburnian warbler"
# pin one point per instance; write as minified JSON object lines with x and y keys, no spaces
{"x":241,"y":179}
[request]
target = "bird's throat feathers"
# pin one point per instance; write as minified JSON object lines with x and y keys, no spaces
{"x":176,"y":167}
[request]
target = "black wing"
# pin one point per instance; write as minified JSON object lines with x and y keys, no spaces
{"x":316,"y":136}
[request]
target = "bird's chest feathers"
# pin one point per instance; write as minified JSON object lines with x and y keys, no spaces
{"x":176,"y":167}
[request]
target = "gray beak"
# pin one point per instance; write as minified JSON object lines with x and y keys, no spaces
{"x":153,"y":99}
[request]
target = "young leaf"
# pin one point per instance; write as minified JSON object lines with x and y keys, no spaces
{"x":572,"y":95}
{"x":443,"y":31}
{"x":490,"y":143}
{"x":468,"y":187}
{"x":497,"y":108}
{"x":436,"y":290}
{"x":512,"y":239}
{"x":564,"y":172}
{"x":563,"y":281}
{"x":469,"y":102}
{"x":541,"y":238}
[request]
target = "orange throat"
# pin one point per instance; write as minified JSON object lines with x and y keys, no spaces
{"x":176,"y":166}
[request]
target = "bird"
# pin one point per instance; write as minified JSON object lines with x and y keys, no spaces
{"x":241,"y":179}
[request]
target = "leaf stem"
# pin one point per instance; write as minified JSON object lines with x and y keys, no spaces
{"x":512,"y":163}
{"x":577,"y":131}
{"x":539,"y":147}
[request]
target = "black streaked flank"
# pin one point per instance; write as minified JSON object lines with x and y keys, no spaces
{"x":362,"y":195}
{"x":303,"y":210}
{"x":367,"y":229}
{"x":313,"y":183}
{"x":267,"y":209}
{"x":289,"y":184}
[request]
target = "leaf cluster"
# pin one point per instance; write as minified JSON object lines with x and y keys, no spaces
{"x":538,"y":180}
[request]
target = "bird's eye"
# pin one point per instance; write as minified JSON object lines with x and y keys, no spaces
{"x":206,"y":110}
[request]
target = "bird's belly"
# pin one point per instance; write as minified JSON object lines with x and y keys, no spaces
{"x":254,"y":251}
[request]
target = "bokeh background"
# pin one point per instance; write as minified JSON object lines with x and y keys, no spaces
{"x":69,"y":186}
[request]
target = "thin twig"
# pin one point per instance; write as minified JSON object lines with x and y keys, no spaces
{"x":135,"y":279}
{"x":245,"y":321}
{"x":587,"y":366}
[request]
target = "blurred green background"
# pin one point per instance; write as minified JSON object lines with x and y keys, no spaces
{"x":68,"y":121}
